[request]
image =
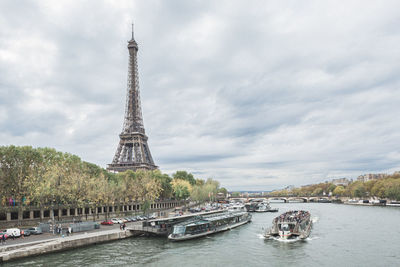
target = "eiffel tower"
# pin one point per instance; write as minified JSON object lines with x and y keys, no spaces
{"x":133,"y":152}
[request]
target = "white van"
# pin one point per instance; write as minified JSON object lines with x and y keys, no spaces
{"x":13,"y":232}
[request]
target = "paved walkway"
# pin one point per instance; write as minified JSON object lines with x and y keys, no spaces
{"x":33,"y":248}
{"x":35,"y":239}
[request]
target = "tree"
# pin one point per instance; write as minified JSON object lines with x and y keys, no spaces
{"x":359,"y":191}
{"x":211,"y":188}
{"x":223,"y":190}
{"x":183,"y":175}
{"x":378,"y":190}
{"x":339,"y":191}
{"x":331,"y":188}
{"x":17,"y":165}
{"x":200,"y":182}
{"x":165,"y":182}
{"x":393,"y":189}
{"x":181,"y":188}
{"x":317,"y":192}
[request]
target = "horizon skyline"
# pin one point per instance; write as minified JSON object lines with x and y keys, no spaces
{"x":254,"y":95}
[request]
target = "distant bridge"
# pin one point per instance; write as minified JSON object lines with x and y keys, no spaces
{"x":303,"y":199}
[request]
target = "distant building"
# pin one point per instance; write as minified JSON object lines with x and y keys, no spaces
{"x":341,"y":181}
{"x":371,"y":176}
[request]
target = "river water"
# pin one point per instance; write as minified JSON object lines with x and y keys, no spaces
{"x":342,"y":235}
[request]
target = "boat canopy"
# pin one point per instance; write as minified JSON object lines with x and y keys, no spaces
{"x":210,"y":218}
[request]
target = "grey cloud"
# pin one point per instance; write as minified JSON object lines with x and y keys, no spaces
{"x":257,"y":95}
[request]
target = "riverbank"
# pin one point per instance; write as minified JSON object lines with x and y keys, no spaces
{"x":26,"y":249}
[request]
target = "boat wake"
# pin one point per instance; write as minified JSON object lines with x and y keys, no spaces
{"x":315,"y":219}
{"x":286,"y":240}
{"x":260,"y":236}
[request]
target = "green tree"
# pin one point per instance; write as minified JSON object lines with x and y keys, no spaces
{"x":317,"y":191}
{"x":223,"y":190}
{"x":359,"y":191}
{"x":235,"y":194}
{"x":181,"y":188}
{"x":331,"y":188}
{"x":165,"y":182}
{"x":378,"y":190}
{"x":392,"y":191}
{"x":339,"y":191}
{"x":200,"y":182}
{"x":17,"y":165}
{"x":183,"y":175}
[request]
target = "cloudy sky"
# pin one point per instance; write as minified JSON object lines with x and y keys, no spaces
{"x":256,"y":94}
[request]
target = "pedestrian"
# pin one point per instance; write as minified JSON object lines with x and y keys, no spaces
{"x":22,"y":234}
{"x":120,"y":226}
{"x":3,"y":239}
{"x":123,"y":226}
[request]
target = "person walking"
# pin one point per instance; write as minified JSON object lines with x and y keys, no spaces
{"x":3,"y":239}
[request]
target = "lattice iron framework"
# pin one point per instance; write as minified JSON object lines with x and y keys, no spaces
{"x":133,"y":152}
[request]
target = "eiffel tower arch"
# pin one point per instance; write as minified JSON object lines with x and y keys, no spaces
{"x":133,"y":152}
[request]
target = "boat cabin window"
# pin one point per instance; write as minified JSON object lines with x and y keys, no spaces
{"x":285,"y":227}
{"x":179,"y":230}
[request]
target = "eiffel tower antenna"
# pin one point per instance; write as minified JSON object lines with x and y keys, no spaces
{"x":132,"y":30}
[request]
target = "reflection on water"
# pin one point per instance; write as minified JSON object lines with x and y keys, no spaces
{"x":341,"y":236}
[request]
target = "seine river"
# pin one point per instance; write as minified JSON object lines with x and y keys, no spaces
{"x":342,"y":235}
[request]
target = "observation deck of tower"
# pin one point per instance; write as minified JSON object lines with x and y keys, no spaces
{"x":133,"y":152}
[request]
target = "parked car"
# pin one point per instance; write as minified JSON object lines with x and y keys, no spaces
{"x":34,"y":230}
{"x":13,"y":232}
{"x":128,"y":219}
{"x":133,"y":219}
{"x":116,"y":220}
{"x":25,"y":232}
{"x":109,"y":222}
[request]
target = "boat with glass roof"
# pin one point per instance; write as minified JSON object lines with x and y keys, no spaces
{"x":291,"y":225}
{"x":207,"y":225}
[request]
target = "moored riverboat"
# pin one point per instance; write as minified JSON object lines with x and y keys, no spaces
{"x":291,"y":225}
{"x":207,"y":225}
{"x":264,"y":207}
{"x":237,"y":207}
{"x":251,"y":206}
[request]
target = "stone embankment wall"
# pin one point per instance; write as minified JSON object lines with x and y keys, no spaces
{"x":32,"y":215}
{"x":58,"y":244}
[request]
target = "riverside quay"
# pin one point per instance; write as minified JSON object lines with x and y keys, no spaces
{"x":9,"y":216}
